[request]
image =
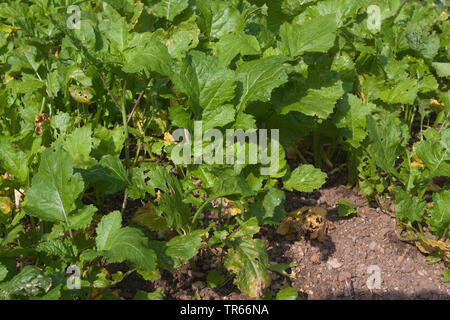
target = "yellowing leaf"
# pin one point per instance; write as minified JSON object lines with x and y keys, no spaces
{"x":428,"y":246}
{"x":148,"y":218}
{"x":8,"y":29}
{"x":417,"y":164}
{"x":81,"y":94}
{"x":311,"y":221}
{"x":6,"y":205}
{"x":168,"y":139}
{"x":230,"y":207}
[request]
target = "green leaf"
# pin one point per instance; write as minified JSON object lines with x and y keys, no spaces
{"x":56,"y":247}
{"x":288,"y":293}
{"x":79,"y":145}
{"x":351,"y":117}
{"x":317,"y":102}
{"x":109,"y":176}
{"x":13,"y":161}
{"x":31,"y":281}
{"x":217,"y":117}
{"x":82,"y":218}
{"x":440,"y":214}
{"x":442,"y":69}
{"x":232,"y":44}
{"x":185,"y":247}
{"x":116,"y":31}
{"x":205,"y":81}
{"x":153,"y":56}
{"x":260,"y":77}
{"x":217,"y":18}
{"x":315,"y":35}
{"x":182,"y":38}
{"x":248,"y":260}
{"x":346,"y":208}
{"x":305,"y":179}
{"x":446,"y":275}
{"x":228,"y":183}
{"x":3,"y":272}
{"x":12,"y":235}
{"x":435,"y":156}
{"x":433,"y":257}
{"x":118,"y":244}
{"x":386,"y":143}
{"x":169,"y":9}
{"x":54,"y":188}
{"x":407,"y":207}
{"x":158,"y":294}
{"x":404,"y":92}
{"x":215,"y":279}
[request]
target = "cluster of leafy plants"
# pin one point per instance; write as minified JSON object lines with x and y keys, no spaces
{"x":86,"y":116}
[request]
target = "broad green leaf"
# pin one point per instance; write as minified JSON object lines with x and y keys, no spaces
{"x":13,"y":161}
{"x":217,"y":18}
{"x":404,"y":92}
{"x":31,"y":281}
{"x":12,"y":235}
{"x":3,"y":272}
{"x":182,"y":38}
{"x":435,"y":156}
{"x":351,"y":117}
{"x":446,"y":275}
{"x":317,"y":102}
{"x":217,"y":117}
{"x":185,"y":247}
{"x":56,"y":247}
{"x":292,"y":7}
{"x":117,"y":34}
{"x":169,"y":9}
{"x":315,"y":35}
{"x":260,"y":77}
{"x":442,"y":69}
{"x":55,"y":188}
{"x":82,"y":218}
{"x":268,"y":208}
{"x":147,"y":217}
{"x":205,"y":81}
{"x":227,"y":183}
{"x":440,"y":214}
{"x":79,"y":145}
{"x":288,"y":293}
{"x":86,"y":35}
{"x":153,"y":56}
{"x":386,"y":143}
{"x":305,"y":178}
{"x":119,"y":243}
{"x":247,"y":259}
{"x":346,"y":208}
{"x":407,"y":207}
{"x":214,"y":279}
{"x":158,"y":294}
{"x":230,"y":45}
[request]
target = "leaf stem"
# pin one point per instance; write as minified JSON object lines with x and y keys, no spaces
{"x":200,"y":209}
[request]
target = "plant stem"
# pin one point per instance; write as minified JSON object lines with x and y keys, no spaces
{"x":200,"y":209}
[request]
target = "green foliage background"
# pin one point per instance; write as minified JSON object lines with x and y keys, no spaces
{"x":84,"y":117}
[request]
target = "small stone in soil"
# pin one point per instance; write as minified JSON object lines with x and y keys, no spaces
{"x":334,"y":263}
{"x":344,"y":275}
{"x":314,"y":258}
